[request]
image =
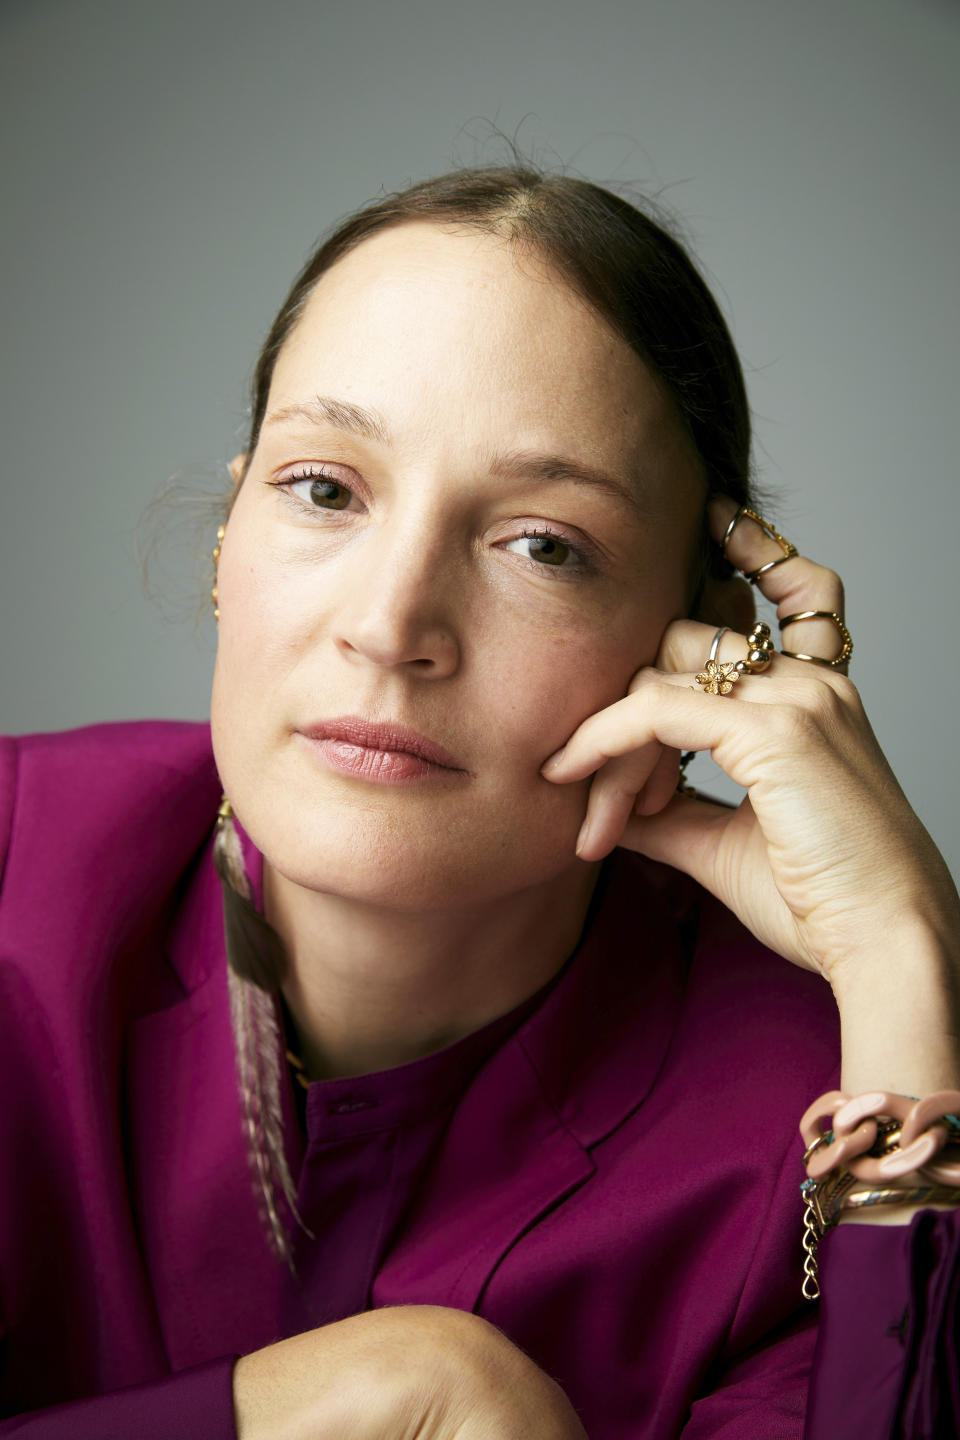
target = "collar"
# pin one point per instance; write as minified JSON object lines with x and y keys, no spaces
{"x":581,"y":1031}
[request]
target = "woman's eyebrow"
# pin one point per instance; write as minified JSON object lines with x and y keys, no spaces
{"x":510,"y":465}
{"x":325,"y":410}
{"x":531,"y":465}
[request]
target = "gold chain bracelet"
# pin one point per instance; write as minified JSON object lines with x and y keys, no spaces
{"x":826,"y":1200}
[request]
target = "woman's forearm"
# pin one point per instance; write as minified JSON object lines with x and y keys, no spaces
{"x":900,"y":1014}
{"x":899,"y":1024}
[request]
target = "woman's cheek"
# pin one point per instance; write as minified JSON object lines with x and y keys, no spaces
{"x":265,"y":617}
{"x":540,"y":692}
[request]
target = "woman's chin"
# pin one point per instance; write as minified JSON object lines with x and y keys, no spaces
{"x":404,"y":850}
{"x":412,"y":871}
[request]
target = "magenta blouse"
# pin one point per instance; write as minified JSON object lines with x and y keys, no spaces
{"x":609,"y":1173}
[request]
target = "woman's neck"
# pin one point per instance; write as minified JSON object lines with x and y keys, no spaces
{"x":370,"y":988}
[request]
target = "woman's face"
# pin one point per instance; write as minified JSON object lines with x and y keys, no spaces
{"x":471,"y":512}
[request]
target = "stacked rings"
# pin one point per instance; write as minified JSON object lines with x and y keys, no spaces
{"x":719,"y":679}
{"x":789,"y":552}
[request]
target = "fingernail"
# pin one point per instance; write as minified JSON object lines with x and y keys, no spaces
{"x":582,"y":837}
{"x":554,"y":762}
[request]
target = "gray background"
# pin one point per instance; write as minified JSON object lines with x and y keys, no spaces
{"x":167,"y":168}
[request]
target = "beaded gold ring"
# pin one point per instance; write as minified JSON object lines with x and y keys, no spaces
{"x":790,"y":552}
{"x":846,"y":649}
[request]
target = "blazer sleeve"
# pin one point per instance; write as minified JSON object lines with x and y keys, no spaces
{"x":884,"y":1354}
{"x":194,"y":1404}
{"x":886,"y":1361}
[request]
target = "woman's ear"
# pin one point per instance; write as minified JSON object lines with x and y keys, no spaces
{"x":727,"y":602}
{"x":237,"y":467}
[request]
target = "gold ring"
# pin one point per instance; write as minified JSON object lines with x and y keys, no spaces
{"x":789,"y":551}
{"x":846,"y":649}
{"x":719,"y":678}
{"x":760,"y":650}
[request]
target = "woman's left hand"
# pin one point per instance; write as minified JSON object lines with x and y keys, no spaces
{"x":824,"y":859}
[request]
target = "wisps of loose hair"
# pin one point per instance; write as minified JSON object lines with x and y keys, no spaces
{"x":618,"y":255}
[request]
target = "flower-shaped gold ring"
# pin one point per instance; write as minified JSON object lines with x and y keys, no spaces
{"x":719,"y":678}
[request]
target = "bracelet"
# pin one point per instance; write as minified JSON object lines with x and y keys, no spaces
{"x":912,"y":1195}
{"x":882,"y":1137}
{"x":826,"y":1200}
{"x":875,"y":1137}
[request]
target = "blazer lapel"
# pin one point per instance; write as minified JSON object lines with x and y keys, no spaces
{"x":519,"y":1143}
{"x":517,"y":1146}
{"x":500,"y":1167}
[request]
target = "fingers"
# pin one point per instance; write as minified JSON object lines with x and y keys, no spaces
{"x":794,"y":584}
{"x":794,"y":713}
{"x":617,"y":730}
{"x":687,"y":644}
{"x":663,"y":711}
{"x":661,"y":784}
{"x":632,"y":747}
{"x":640,"y":782}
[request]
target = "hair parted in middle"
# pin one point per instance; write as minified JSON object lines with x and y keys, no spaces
{"x":622,"y":261}
{"x":640,"y":279}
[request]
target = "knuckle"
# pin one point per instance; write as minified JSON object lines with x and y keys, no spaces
{"x":791,"y":723}
{"x":642,"y":680}
{"x":817,"y":710}
{"x":846,"y":691}
{"x":831,"y":578}
{"x":823,"y":703}
{"x":807,"y":584}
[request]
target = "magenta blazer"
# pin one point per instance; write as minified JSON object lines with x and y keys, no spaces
{"x":611,"y":1174}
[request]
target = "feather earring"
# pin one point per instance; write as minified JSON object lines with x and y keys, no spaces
{"x":256,"y":966}
{"x":254,"y":948}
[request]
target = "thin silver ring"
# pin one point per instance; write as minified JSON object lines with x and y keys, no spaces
{"x":716,"y":642}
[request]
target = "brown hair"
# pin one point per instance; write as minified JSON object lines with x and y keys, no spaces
{"x":641,"y":280}
{"x":618,"y":258}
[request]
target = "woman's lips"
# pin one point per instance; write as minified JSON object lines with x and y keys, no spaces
{"x":381,"y":752}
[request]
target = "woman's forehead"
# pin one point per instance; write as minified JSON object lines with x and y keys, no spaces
{"x":461,"y":322}
{"x":456,"y":287}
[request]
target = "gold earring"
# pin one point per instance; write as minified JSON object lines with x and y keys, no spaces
{"x":216,"y":556}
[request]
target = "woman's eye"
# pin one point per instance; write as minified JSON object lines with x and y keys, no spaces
{"x":546,"y":549}
{"x":319,"y":491}
{"x":315,"y":490}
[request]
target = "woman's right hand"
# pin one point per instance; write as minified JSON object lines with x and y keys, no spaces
{"x":412,"y":1372}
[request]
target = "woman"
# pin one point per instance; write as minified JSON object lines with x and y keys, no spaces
{"x":532,"y":1167}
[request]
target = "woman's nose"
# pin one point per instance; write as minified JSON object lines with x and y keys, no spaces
{"x":398,"y":604}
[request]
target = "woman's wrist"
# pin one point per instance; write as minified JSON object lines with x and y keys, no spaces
{"x":900,"y":1013}
{"x":876,"y":1158}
